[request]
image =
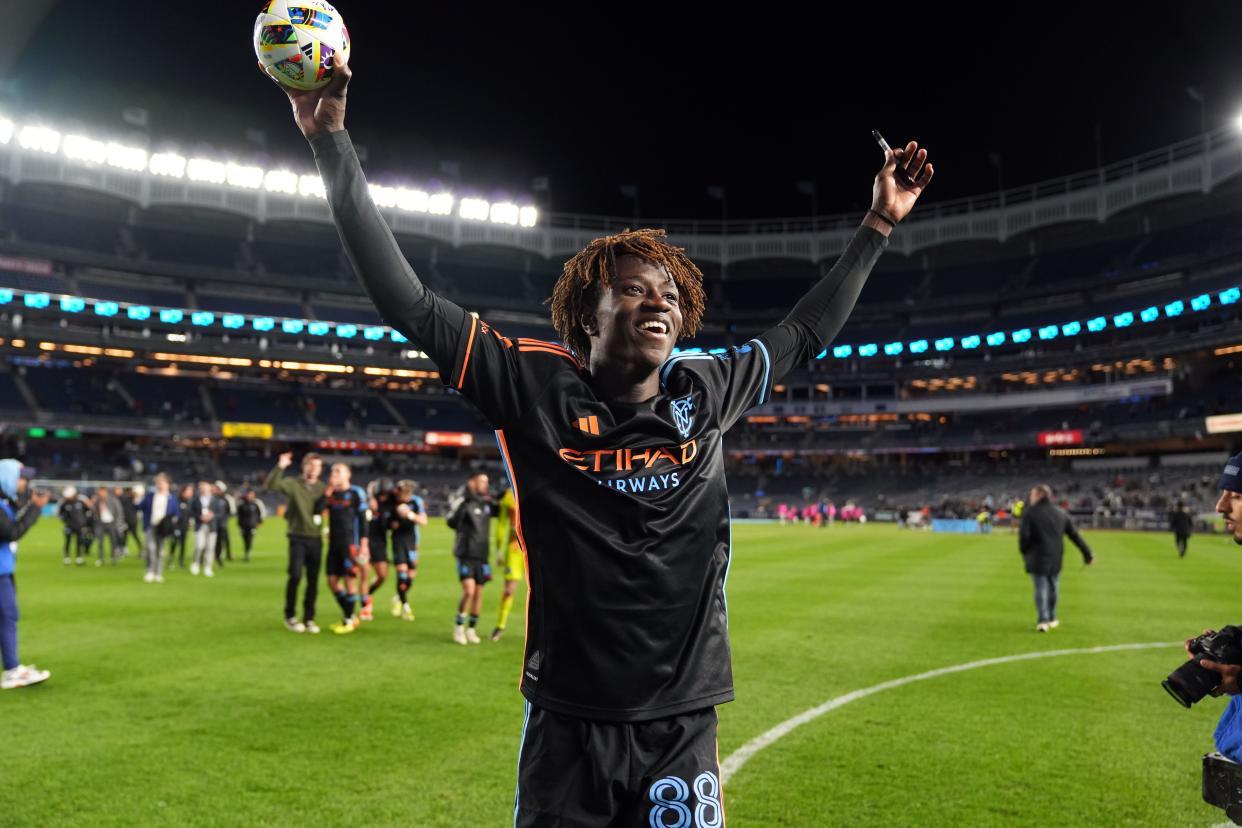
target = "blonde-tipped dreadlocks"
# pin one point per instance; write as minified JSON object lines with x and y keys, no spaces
{"x":578,"y":289}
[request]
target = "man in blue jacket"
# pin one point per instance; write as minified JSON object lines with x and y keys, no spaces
{"x":15,"y":521}
{"x":160,"y":510}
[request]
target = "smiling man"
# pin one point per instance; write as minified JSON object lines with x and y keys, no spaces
{"x":613,"y":449}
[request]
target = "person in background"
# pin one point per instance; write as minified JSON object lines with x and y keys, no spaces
{"x":408,"y":516}
{"x":509,"y":557}
{"x":381,"y":502}
{"x":109,"y":526}
{"x":16,"y":518}
{"x":160,"y":512}
{"x":129,"y":501}
{"x":305,"y":537}
{"x":183,"y":530}
{"x":1183,"y":525}
{"x":346,"y":507}
{"x":1018,"y":507}
{"x":207,"y":512}
{"x":224,"y":544}
{"x":470,"y":511}
{"x":249,"y":516}
{"x":1041,"y":541}
{"x":74,"y":514}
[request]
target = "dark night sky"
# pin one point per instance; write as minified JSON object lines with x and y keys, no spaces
{"x":674,"y":100}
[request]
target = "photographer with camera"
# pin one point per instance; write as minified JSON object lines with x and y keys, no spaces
{"x":1213,"y":669}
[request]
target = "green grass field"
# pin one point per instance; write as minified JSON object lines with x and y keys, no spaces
{"x":187,"y":703}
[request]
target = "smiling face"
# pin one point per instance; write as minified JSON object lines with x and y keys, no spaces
{"x":1230,"y":507}
{"x":637,"y":319}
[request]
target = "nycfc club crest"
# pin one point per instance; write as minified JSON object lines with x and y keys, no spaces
{"x":683,"y":415}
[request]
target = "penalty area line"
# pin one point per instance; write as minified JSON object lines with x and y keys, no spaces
{"x":736,"y":760}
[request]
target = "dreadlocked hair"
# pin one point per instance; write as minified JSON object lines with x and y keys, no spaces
{"x":577,"y":291}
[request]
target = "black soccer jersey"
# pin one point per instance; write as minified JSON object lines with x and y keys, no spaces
{"x":621,"y":509}
{"x":347,"y":516}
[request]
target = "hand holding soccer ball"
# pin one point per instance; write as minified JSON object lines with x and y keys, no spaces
{"x":893,"y":194}
{"x":303,"y":46}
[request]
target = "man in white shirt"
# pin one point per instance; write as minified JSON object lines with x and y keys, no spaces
{"x":159,"y":511}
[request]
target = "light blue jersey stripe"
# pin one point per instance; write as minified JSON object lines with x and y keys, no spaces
{"x":518,"y":790}
{"x":668,"y":365}
{"x":767,"y":370}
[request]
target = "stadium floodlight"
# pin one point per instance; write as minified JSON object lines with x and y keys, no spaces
{"x":233,"y":321}
{"x":944,"y":343}
{"x":1071,"y":329}
{"x":528,"y":216}
{"x":72,"y":304}
{"x":292,"y":326}
{"x":918,"y":346}
{"x":440,"y":204}
{"x":373,"y":334}
{"x":842,"y":351}
{"x":1228,"y":297}
{"x":1150,"y":314}
{"x":311,"y":185}
{"x":1201,"y":302}
{"x":1021,"y":335}
{"x":246,"y":177}
{"x":894,"y":348}
{"x":171,"y":316}
{"x":81,"y":148}
{"x":1237,"y":121}
{"x":206,"y":171}
{"x":1123,"y":320}
{"x":37,"y":300}
{"x":504,"y":212}
{"x":868,"y":350}
{"x":40,"y":139}
{"x":263,"y":323}
{"x":139,"y":313}
{"x":106,"y":309}
{"x":6,"y":296}
{"x":996,"y":338}
{"x":474,"y":208}
{"x":122,"y":157}
{"x":281,"y":181}
{"x":1049,"y":332}
{"x":6,"y":130}
{"x":203,"y":319}
{"x":412,"y":201}
{"x":1175,"y":308}
{"x":168,"y":164}
{"x":970,"y":342}
{"x":1097,"y":324}
{"x":346,"y":331}
{"x":318,"y":328}
{"x":383,"y":196}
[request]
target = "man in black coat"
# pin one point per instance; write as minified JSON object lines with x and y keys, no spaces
{"x":1182,"y":525}
{"x":470,"y":513}
{"x":1040,"y":539}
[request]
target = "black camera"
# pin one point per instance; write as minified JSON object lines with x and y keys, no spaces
{"x":1190,"y":682}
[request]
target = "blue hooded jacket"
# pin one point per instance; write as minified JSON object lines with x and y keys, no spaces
{"x":10,"y":472}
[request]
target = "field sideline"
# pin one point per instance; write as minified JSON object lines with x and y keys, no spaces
{"x":187,"y":703}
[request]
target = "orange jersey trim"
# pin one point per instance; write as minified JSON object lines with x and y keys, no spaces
{"x":474,"y":327}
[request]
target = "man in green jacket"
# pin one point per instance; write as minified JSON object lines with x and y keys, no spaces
{"x":305,"y":536}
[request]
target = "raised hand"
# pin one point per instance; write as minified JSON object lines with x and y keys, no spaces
{"x":320,"y":110}
{"x":900,"y":182}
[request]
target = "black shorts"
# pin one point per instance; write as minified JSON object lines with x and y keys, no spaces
{"x":341,"y":560}
{"x":379,"y":550}
{"x":409,"y":557}
{"x":662,"y":772}
{"x":481,"y":571}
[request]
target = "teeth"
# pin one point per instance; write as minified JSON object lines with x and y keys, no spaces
{"x":654,"y":325}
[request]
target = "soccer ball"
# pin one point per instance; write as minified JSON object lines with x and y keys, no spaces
{"x":296,"y":39}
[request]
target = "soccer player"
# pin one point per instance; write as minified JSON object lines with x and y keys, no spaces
{"x":305,"y":539}
{"x":614,"y":455}
{"x":508,"y":557}
{"x":381,"y":504}
{"x":346,"y":505}
{"x":470,"y":510}
{"x":408,"y":516}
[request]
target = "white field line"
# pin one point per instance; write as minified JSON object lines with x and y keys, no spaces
{"x":734,"y":761}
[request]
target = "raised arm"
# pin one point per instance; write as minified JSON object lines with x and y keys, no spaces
{"x":819,"y":316}
{"x":431,"y":322}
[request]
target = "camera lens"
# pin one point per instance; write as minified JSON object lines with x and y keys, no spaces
{"x":1190,"y":683}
